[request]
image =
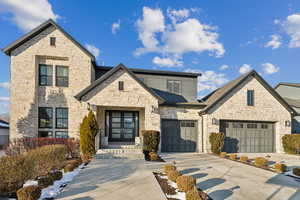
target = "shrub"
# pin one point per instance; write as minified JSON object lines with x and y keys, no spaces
{"x":217,"y":142}
{"x":261,"y":162}
{"x":185,"y":183}
{"x":169,"y":167}
{"x":56,"y":175}
{"x":153,"y":156}
{"x":291,"y":143}
{"x":14,"y":171}
{"x":76,"y":163}
{"x":280,"y":167}
{"x":244,"y":159}
{"x":193,"y":194}
{"x":32,"y":192}
{"x":45,"y":181}
{"x":173,"y":175}
{"x":296,"y":171}
{"x":151,"y":140}
{"x":69,"y":168}
{"x":223,"y":154}
{"x":233,"y":156}
{"x":88,"y":131}
{"x":86,"y":158}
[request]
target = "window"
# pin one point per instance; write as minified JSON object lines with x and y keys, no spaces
{"x":47,"y":134}
{"x":174,"y":86}
{"x":62,"y":76}
{"x":61,"y":134}
{"x":237,"y":125}
{"x":45,"y":75}
{"x":61,"y":118}
{"x":264,"y":126}
{"x":251,"y":125}
{"x":250,"y":97}
{"x":121,"y":85}
{"x":45,"y":117}
{"x":52,"y":41}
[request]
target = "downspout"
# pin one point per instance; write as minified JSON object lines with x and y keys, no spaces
{"x":202,"y":130}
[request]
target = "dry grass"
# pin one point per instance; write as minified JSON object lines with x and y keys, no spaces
{"x":233,"y":156}
{"x":223,"y":154}
{"x":261,"y":162}
{"x":296,"y":171}
{"x":173,"y":175}
{"x":185,"y":183}
{"x":169,"y":167}
{"x":244,"y":159}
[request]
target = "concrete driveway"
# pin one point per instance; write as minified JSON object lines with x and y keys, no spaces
{"x":225,"y":179}
{"x":115,"y":179}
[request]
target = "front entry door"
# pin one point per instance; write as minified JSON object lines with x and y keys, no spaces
{"x":122,"y":126}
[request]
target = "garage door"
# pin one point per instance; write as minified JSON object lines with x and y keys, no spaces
{"x":178,"y":136}
{"x":248,"y":137}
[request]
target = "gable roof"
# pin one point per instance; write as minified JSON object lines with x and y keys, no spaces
{"x":101,"y":70}
{"x":287,"y":84}
{"x":8,"y":49}
{"x":111,"y":72}
{"x":216,"y":96}
{"x":293,"y":102}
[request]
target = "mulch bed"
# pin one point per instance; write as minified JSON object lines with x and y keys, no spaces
{"x":167,"y":189}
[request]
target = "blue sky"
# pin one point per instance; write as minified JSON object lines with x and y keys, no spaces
{"x":219,"y":38}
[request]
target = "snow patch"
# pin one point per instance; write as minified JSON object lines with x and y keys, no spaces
{"x":179,"y":195}
{"x":30,"y":182}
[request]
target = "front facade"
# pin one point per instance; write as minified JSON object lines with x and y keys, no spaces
{"x":55,"y":82}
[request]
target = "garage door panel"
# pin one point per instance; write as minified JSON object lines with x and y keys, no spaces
{"x":184,"y":139}
{"x":248,"y":137}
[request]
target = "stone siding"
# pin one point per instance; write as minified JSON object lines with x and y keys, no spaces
{"x":27,"y":95}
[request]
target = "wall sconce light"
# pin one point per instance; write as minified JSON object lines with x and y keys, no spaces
{"x":88,"y":106}
{"x":215,"y":121}
{"x":287,"y":123}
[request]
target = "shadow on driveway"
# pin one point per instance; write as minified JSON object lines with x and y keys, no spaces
{"x":209,"y":183}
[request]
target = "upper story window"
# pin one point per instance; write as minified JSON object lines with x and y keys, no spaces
{"x":61,"y":118}
{"x":62,"y":76}
{"x":250,"y":97}
{"x":45,"y":75}
{"x":45,"y":117}
{"x":174,"y":86}
{"x":121,"y":85}
{"x":52,"y":41}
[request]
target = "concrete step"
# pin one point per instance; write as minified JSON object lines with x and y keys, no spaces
{"x":115,"y":146}
{"x":118,"y":153}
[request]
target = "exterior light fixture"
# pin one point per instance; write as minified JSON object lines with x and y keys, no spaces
{"x":215,"y":121}
{"x":287,"y":123}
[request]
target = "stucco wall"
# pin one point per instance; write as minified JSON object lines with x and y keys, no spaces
{"x":27,"y":95}
{"x":234,"y":107}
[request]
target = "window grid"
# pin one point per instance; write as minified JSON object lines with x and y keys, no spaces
{"x":61,"y":119}
{"x":52,"y":41}
{"x":174,"y":86}
{"x":250,"y":97}
{"x":62,"y":76}
{"x":45,"y":117}
{"x":45,"y":75}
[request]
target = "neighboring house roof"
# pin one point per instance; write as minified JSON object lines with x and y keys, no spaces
{"x":111,"y":72}
{"x":216,"y":96}
{"x":293,"y":102}
{"x":169,"y":98}
{"x":287,"y":84}
{"x":4,"y":124}
{"x":101,"y":70}
{"x":7,"y":50}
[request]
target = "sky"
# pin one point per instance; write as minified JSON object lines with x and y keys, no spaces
{"x":219,"y":38}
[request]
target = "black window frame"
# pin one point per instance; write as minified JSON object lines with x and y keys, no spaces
{"x":67,"y":133}
{"x":51,"y":117}
{"x":45,"y":131}
{"x":61,"y":118}
{"x":48,"y":77}
{"x":57,"y":77}
{"x":171,"y":88}
{"x":121,"y":85}
{"x":53,"y":41}
{"x":250,"y":97}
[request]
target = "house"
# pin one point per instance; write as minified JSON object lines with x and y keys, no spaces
{"x":55,"y":81}
{"x":291,"y":94}
{"x":4,"y":133}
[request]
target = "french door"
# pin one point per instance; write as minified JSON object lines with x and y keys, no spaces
{"x":121,"y":126}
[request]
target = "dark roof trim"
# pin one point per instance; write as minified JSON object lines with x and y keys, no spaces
{"x":287,"y":84}
{"x":7,"y":50}
{"x":4,"y":127}
{"x":263,"y":82}
{"x":111,"y":72}
{"x":153,"y":72}
{"x":4,"y":122}
{"x":185,"y":104}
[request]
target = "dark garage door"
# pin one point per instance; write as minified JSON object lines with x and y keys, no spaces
{"x":248,"y":137}
{"x":178,"y":136}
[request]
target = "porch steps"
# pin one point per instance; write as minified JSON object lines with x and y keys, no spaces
{"x":114,"y":150}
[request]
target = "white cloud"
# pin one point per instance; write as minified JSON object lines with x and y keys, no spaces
{"x":27,"y":14}
{"x":245,"y":68}
{"x":178,"y":38}
{"x":115,"y":26}
{"x":5,"y":85}
{"x":94,"y":50}
{"x":209,"y":80}
{"x":224,"y":67}
{"x":4,"y":99}
{"x":275,"y":42}
{"x":166,"y":62}
{"x":151,"y":23}
{"x":269,"y":68}
{"x":292,"y":27}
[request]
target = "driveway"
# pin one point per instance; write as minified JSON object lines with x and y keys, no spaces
{"x":115,"y":179}
{"x":225,"y":179}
